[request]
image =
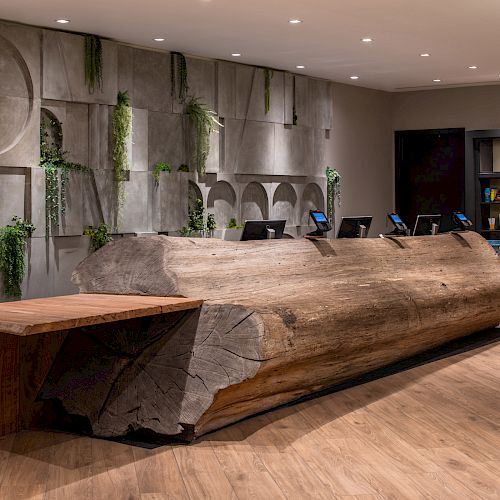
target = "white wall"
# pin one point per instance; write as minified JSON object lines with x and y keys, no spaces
{"x":362,"y":151}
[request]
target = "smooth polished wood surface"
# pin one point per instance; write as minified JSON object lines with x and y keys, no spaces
{"x":30,"y":317}
{"x":432,"y":432}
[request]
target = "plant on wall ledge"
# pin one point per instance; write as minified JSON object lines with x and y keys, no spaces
{"x":99,"y":236}
{"x":333,"y":180}
{"x":122,"y":130}
{"x":179,"y":70}
{"x":57,"y":170}
{"x":268,"y":75}
{"x":205,"y":122}
{"x":93,"y":63}
{"x":158,"y":169}
{"x":183,"y":168}
{"x":12,"y":249}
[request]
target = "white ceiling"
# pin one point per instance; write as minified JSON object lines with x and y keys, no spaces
{"x":457,"y":34}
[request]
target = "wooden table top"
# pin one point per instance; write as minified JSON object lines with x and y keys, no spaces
{"x":29,"y":317}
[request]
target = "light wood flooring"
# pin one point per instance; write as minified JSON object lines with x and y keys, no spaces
{"x":431,"y":432}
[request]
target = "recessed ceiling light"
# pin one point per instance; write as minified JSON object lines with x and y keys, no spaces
{"x":159,"y":39}
{"x":425,"y":54}
{"x":295,"y":21}
{"x":300,"y":66}
{"x":437,"y":80}
{"x":354,"y":77}
{"x":62,"y":21}
{"x":236,"y":54}
{"x":367,"y":40}
{"x":472,"y":67}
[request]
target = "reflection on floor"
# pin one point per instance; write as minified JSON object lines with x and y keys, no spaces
{"x":430,"y":432}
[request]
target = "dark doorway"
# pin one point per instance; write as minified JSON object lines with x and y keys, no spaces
{"x":430,"y":171}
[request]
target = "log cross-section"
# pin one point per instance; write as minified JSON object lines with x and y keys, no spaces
{"x":281,"y":319}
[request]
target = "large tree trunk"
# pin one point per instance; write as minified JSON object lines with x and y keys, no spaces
{"x":282,"y":319}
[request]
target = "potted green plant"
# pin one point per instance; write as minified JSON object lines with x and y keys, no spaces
{"x":232,"y":231}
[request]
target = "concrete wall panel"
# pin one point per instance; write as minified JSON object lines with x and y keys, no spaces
{"x":226,"y":89}
{"x":294,"y":151}
{"x":166,"y":132}
{"x":11,"y":197}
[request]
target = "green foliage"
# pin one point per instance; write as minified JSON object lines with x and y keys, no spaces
{"x":179,"y":70}
{"x":57,"y":170}
{"x":211,"y":224}
{"x":232,"y":224}
{"x":93,"y":63}
{"x":268,"y":75}
{"x":99,"y":236}
{"x":12,"y":248}
{"x":122,"y":130}
{"x":158,"y":169}
{"x":196,"y":221}
{"x":205,"y":122}
{"x":334,"y":187}
{"x":183,"y":168}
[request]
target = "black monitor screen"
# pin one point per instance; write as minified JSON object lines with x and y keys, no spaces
{"x":350,"y":226}
{"x":319,"y":216}
{"x":423,"y":225}
{"x":257,"y":229}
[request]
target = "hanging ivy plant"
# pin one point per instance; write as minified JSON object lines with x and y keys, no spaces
{"x":205,"y":122}
{"x":57,"y":170}
{"x":158,"y":169}
{"x":334,"y":187}
{"x":122,"y":130}
{"x":93,"y":63}
{"x":294,"y":110}
{"x":178,"y":68}
{"x":268,"y":75}
{"x":99,"y":236}
{"x":12,"y":249}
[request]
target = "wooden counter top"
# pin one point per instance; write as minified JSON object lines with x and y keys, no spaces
{"x":30,"y":317}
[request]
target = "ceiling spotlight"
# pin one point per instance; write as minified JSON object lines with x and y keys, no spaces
{"x":472,"y":67}
{"x":425,"y":54}
{"x":62,"y":21}
{"x":437,"y":80}
{"x":300,"y":66}
{"x":236,"y":54}
{"x":354,"y":77}
{"x":295,"y":21}
{"x":367,"y":40}
{"x":159,"y":39}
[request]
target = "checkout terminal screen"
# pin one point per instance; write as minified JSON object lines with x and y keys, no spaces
{"x":461,"y":217}
{"x":396,"y":219}
{"x":319,"y":216}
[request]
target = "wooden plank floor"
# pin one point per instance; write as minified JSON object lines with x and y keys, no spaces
{"x":432,"y":432}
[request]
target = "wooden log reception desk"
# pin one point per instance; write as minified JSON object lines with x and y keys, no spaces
{"x":280,"y":319}
{"x":33,"y":331}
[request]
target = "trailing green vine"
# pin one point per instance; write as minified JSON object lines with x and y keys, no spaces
{"x":158,"y":169}
{"x":12,"y":249}
{"x":99,"y":236}
{"x":205,"y":122}
{"x":268,"y":75}
{"x":333,"y":180}
{"x":93,"y":63}
{"x":57,"y":170}
{"x":122,"y":130}
{"x":178,"y":76}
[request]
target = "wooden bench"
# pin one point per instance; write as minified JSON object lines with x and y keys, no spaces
{"x":32,"y":332}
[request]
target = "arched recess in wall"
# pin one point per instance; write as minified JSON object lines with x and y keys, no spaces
{"x":52,"y":129}
{"x":312,"y":199}
{"x":222,"y":202}
{"x":254,"y":203}
{"x":194,"y":193}
{"x":285,"y":203}
{"x":15,"y":114}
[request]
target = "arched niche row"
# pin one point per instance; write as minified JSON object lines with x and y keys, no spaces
{"x":285,"y":203}
{"x":222,"y":202}
{"x":52,"y":128}
{"x":194,"y":193}
{"x":254,"y":203}
{"x":312,"y":199}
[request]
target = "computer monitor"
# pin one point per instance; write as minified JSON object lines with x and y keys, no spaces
{"x":427,"y":225}
{"x":263,"y":229}
{"x":355,"y":227}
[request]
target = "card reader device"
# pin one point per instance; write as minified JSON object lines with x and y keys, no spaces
{"x":400,"y":228}
{"x":461,"y":219}
{"x":321,"y":221}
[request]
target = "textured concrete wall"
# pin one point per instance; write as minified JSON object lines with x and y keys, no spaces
{"x":260,"y":165}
